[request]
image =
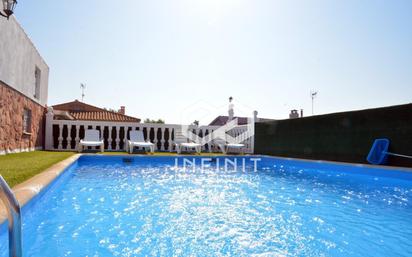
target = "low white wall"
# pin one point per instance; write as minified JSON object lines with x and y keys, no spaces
{"x":162,"y":134}
{"x":20,"y":150}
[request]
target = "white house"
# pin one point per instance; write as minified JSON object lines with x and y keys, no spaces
{"x":24,"y":79}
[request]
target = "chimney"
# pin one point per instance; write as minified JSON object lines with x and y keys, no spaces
{"x":255,"y":116}
{"x":293,"y":114}
{"x":231,"y":112}
{"x":122,"y":110}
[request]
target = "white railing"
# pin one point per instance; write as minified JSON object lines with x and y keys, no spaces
{"x":65,"y":135}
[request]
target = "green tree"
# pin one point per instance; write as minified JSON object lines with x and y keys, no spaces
{"x":160,"y":121}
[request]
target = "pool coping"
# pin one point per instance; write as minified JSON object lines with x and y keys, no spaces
{"x":353,"y":164}
{"x":28,"y":189}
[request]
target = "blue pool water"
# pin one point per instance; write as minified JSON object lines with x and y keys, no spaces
{"x":102,"y":206}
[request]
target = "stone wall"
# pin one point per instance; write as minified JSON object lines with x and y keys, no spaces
{"x":12,"y":138}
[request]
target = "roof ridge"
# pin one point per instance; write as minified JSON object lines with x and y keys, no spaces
{"x":80,"y":102}
{"x":94,"y":110}
{"x":108,"y":111}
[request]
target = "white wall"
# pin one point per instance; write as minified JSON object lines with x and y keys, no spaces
{"x":18,"y":61}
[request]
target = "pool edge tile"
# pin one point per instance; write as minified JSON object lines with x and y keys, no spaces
{"x":349,"y":164}
{"x":28,"y":189}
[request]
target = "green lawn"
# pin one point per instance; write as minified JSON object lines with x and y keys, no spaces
{"x":16,"y":168}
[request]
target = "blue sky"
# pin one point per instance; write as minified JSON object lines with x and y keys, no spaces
{"x":159,"y":57}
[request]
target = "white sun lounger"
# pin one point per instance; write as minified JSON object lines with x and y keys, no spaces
{"x":137,"y":139}
{"x":91,"y":138}
{"x":181,"y":142}
{"x":225,"y":147}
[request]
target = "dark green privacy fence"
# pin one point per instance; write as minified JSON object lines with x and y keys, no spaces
{"x":345,"y":136}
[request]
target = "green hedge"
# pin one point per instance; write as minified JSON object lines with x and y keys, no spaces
{"x":345,"y":136}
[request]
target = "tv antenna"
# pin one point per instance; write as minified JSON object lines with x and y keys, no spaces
{"x":313,"y":95}
{"x":83,"y":87}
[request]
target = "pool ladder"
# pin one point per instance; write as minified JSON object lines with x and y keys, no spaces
{"x":14,"y":217}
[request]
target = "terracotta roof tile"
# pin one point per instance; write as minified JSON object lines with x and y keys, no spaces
{"x":82,"y":111}
{"x":222,"y":120}
{"x":103,"y":116}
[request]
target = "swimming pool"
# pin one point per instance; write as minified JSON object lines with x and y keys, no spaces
{"x":117,"y":206}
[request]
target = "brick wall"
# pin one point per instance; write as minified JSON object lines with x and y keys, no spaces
{"x":12,"y":105}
